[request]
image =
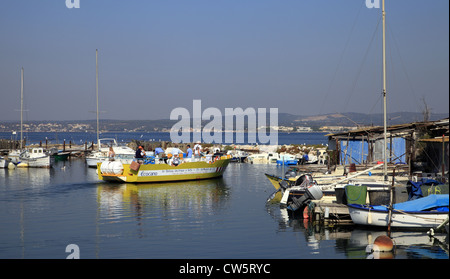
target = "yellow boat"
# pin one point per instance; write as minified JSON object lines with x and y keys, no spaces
{"x":161,"y":172}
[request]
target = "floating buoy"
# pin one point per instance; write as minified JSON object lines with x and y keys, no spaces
{"x":383,"y":243}
{"x":11,"y":166}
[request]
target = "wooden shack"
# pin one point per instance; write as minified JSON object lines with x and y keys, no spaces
{"x":415,"y":145}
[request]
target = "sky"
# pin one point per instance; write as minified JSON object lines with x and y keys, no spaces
{"x":304,"y":57}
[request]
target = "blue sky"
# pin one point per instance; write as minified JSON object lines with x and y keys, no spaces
{"x":304,"y":57}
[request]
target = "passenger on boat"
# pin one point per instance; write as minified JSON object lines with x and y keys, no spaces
{"x":175,"y":160}
{"x":111,"y":154}
{"x":159,"y":152}
{"x":197,"y":151}
{"x":208,"y":157}
{"x":140,"y":153}
{"x":189,"y":152}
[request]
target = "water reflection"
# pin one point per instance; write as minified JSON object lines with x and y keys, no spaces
{"x":354,"y":242}
{"x":161,"y":201}
{"x":35,"y":177}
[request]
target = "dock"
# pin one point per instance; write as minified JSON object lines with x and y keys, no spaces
{"x":329,"y":212}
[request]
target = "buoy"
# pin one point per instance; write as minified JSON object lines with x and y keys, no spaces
{"x":383,"y":243}
{"x":11,"y":166}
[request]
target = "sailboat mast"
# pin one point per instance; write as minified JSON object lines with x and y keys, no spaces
{"x":96,"y":93}
{"x":21,"y":109}
{"x":384,"y":93}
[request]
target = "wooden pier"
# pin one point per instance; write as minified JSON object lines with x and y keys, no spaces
{"x":328,"y":211}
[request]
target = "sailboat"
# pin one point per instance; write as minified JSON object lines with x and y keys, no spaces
{"x":35,"y":157}
{"x":122,"y":153}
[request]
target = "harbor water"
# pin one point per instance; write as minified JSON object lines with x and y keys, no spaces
{"x":45,"y":211}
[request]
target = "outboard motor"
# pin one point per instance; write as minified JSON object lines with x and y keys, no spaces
{"x":311,"y":193}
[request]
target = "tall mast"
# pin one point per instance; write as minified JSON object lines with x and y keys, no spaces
{"x":21,"y":109}
{"x":384,"y":94}
{"x":96,"y":92}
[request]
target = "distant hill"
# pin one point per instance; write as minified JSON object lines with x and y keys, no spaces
{"x":284,"y":119}
{"x":354,"y":119}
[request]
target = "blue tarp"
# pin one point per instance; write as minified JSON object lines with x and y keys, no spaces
{"x":416,"y":191}
{"x":421,"y":204}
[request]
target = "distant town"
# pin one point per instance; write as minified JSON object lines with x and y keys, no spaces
{"x":51,"y":126}
{"x":286,"y":123}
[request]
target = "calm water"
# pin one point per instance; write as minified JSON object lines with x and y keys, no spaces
{"x":42,"y":211}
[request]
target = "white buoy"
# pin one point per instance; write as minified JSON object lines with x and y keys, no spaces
{"x":11,"y":166}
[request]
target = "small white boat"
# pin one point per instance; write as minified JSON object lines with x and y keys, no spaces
{"x":427,"y":212}
{"x":263,"y":158}
{"x":238,"y":155}
{"x":35,"y":158}
{"x":13,"y":155}
{"x":122,"y":153}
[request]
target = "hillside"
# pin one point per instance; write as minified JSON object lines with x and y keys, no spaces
{"x":284,"y":119}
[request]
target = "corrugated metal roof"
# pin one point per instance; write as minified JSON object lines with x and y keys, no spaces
{"x":391,"y":129}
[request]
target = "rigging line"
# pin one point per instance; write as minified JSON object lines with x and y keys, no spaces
{"x":374,"y":104}
{"x":361,"y":66}
{"x":341,"y":57}
{"x":403,"y":65}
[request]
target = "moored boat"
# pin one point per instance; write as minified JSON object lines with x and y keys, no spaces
{"x":426,"y":212}
{"x":35,"y":158}
{"x":155,"y":171}
{"x":123,"y":153}
{"x":238,"y":155}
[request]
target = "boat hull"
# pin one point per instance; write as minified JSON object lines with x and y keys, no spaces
{"x":163,"y":172}
{"x":39,"y":162}
{"x":421,"y":219}
{"x":3,"y":163}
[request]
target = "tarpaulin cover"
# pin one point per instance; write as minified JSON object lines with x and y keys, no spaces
{"x":426,"y":203}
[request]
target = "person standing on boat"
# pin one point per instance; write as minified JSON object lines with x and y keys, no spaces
{"x":197,"y":150}
{"x":189,"y":152}
{"x":140,"y":153}
{"x":111,"y":154}
{"x":159,"y":152}
{"x":208,"y":157}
